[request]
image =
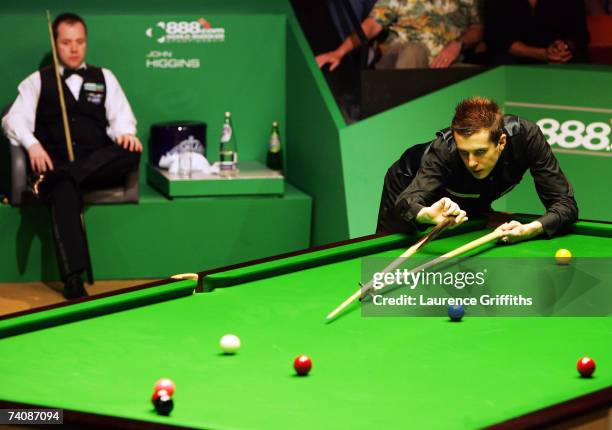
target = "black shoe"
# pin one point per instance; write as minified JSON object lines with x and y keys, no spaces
{"x":73,"y":287}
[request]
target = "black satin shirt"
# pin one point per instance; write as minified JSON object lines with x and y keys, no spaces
{"x":442,"y":173}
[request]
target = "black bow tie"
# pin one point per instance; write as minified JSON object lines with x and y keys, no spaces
{"x":70,"y":72}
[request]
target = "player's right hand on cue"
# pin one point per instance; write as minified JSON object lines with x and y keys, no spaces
{"x":39,"y":159}
{"x":442,"y":210}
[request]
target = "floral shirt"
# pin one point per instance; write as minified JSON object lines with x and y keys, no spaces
{"x":433,"y":23}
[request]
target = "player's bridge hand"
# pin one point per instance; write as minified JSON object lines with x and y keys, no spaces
{"x":129,"y":142}
{"x":513,"y":231}
{"x":444,"y":209}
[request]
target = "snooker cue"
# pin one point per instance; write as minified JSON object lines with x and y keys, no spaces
{"x":67,"y":135}
{"x":458,"y":251}
{"x":406,"y":254}
{"x":60,"y":89}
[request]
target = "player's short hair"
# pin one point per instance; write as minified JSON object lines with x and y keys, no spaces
{"x":478,"y":113}
{"x":70,"y":19}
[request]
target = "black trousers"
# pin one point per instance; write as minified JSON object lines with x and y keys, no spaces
{"x":62,"y":189}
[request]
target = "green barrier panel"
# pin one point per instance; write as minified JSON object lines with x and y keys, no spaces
{"x":158,"y":237}
{"x":575,"y":113}
{"x":172,"y":66}
{"x":569,"y":103}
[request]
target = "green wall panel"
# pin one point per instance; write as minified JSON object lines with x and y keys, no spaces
{"x":244,"y":74}
{"x":313,"y":151}
{"x":576,"y":109}
{"x":157,"y":238}
{"x":167,"y":80}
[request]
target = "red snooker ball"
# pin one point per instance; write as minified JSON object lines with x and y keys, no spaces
{"x":165,"y":384}
{"x":586,"y":367}
{"x":302,"y":365}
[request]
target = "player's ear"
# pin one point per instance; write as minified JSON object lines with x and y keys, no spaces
{"x":502,"y":141}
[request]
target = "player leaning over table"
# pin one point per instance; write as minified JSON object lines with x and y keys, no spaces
{"x":103,"y":130}
{"x":481,"y":157}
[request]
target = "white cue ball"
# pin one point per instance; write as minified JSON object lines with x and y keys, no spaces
{"x":230,"y":343}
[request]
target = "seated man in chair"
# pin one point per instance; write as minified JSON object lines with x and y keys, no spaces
{"x":481,"y":157}
{"x":103,"y":130}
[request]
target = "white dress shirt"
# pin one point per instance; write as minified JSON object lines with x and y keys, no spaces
{"x":19,"y":122}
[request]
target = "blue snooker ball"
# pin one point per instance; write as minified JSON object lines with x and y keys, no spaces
{"x":455,"y":312}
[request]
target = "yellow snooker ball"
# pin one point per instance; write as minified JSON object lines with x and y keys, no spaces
{"x":563,"y":257}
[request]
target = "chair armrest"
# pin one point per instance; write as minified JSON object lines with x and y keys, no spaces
{"x":128,"y":192}
{"x":132,"y":190}
{"x":19,"y":174}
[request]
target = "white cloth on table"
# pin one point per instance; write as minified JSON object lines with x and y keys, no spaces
{"x":196,"y":161}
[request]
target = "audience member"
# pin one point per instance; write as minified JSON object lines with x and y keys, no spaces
{"x":537,"y":31}
{"x":415,"y":33}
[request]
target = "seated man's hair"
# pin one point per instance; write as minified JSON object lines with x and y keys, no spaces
{"x":478,"y":113}
{"x":68,"y":18}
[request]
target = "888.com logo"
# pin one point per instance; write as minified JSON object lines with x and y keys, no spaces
{"x":575,"y":134}
{"x":185,"y":31}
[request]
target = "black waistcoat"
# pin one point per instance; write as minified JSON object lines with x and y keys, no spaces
{"x":86,"y":116}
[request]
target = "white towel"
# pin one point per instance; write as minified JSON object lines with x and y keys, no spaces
{"x":198,"y":163}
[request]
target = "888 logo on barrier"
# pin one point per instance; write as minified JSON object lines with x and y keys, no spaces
{"x":575,"y":134}
{"x":182,"y":27}
{"x":185,"y":31}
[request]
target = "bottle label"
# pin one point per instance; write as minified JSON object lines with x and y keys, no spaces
{"x":227,"y":133}
{"x":228,"y":160}
{"x":274,"y":143}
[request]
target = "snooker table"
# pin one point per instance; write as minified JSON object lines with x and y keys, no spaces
{"x":98,"y":358}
